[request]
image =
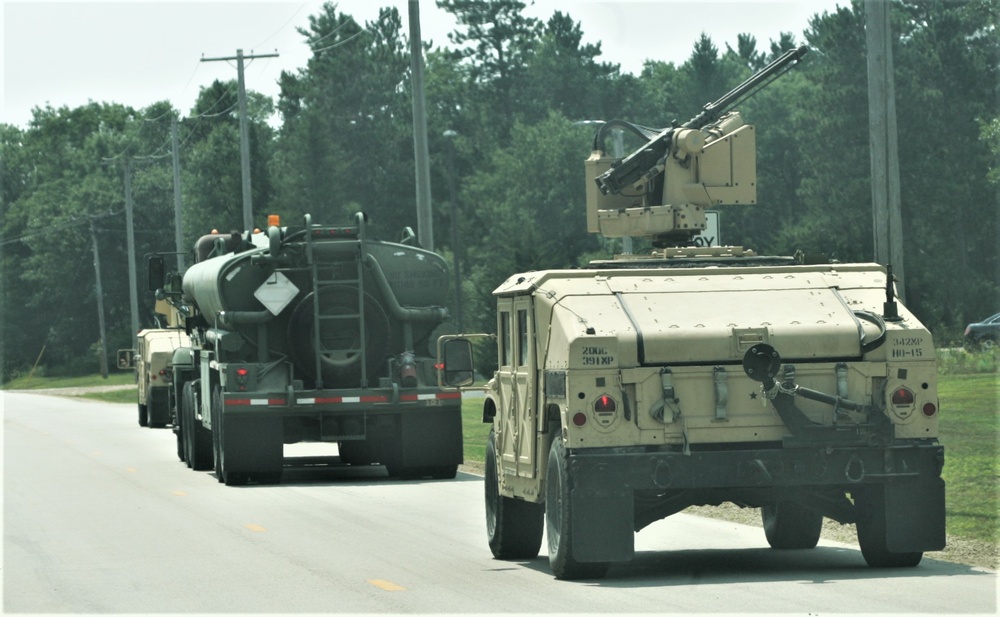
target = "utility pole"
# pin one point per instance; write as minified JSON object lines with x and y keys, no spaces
{"x":178,"y":217}
{"x":244,"y":131}
{"x":133,"y":292}
{"x":886,"y":212}
{"x":450,"y":136}
{"x":425,"y":220}
{"x":100,"y":303}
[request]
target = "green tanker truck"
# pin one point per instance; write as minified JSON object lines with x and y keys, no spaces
{"x":312,"y":333}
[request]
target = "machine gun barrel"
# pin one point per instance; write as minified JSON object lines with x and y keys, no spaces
{"x":630,"y":169}
{"x":715,"y":110}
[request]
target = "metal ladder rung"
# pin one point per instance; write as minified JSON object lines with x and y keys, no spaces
{"x":319,"y":273}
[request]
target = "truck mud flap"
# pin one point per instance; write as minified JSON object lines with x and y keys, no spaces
{"x":602,"y":525}
{"x":253,"y":446}
{"x":431,"y":438}
{"x":914,"y":516}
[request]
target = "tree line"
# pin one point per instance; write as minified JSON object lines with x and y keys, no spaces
{"x":510,"y":101}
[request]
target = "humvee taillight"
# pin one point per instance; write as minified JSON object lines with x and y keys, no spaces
{"x":902,"y":396}
{"x":930,"y":409}
{"x":605,"y":404}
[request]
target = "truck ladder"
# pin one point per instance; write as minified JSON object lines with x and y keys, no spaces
{"x":325,"y":275}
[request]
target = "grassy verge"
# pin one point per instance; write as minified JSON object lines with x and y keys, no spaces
{"x":86,"y":381}
{"x":969,"y":420}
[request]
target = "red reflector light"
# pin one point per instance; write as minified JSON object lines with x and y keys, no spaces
{"x":440,"y":366}
{"x":902,"y":396}
{"x":163,"y":371}
{"x":930,"y":409}
{"x":242,"y":372}
{"x":579,"y":419}
{"x":605,"y":404}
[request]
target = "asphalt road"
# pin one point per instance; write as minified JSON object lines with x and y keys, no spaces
{"x":100,"y":516}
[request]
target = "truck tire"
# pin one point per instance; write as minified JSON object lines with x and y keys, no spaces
{"x":143,"y":415}
{"x":176,"y":399}
{"x":559,"y":521}
{"x":513,"y":527}
{"x":872,"y":533}
{"x":197,"y":439}
{"x":787,"y":525}
{"x":218,"y":454}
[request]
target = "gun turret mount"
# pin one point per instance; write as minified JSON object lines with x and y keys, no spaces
{"x":662,"y":189}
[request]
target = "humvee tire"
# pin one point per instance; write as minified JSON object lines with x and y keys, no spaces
{"x":787,"y":525}
{"x":513,"y":526}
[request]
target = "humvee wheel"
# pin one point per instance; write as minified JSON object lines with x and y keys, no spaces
{"x":513,"y":527}
{"x":872,"y":531}
{"x":143,"y":415}
{"x":788,"y":525}
{"x":559,"y":521}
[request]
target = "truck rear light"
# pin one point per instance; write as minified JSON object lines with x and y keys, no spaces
{"x":580,"y":419}
{"x":605,"y":404}
{"x":930,"y":409}
{"x":902,"y":396}
{"x":242,"y":372}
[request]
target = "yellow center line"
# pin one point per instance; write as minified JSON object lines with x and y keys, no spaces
{"x":130,"y":469}
{"x":385,"y":585}
{"x":180,"y":493}
{"x":254,"y":527}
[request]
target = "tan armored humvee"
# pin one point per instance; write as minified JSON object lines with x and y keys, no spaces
{"x":154,"y":352}
{"x":633,"y":389}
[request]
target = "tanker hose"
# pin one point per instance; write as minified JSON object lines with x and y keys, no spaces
{"x":430,"y":313}
{"x":234,"y":318}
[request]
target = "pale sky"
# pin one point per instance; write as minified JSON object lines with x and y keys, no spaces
{"x":136,"y":53}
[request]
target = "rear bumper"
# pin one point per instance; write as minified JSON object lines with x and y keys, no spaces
{"x":634,"y":469}
{"x":618,"y":491}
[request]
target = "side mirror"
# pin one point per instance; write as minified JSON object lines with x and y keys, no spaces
{"x":456,"y":367}
{"x":156,"y":273}
{"x":126,"y":359}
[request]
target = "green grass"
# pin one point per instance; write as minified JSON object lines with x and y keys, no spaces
{"x":474,"y":431}
{"x":40,"y":383}
{"x":970,"y":416}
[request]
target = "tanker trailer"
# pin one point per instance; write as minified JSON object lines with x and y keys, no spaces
{"x":313,"y":334}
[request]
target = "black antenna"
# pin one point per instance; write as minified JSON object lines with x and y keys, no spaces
{"x":890,"y":312}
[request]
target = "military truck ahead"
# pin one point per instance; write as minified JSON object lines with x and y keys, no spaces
{"x":639,"y":386}
{"x":312,"y":333}
{"x":154,"y":374}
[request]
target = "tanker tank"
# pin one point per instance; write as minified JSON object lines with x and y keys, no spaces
{"x":403,"y":287}
{"x":314,"y":333}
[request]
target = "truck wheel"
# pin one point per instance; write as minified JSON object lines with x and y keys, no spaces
{"x":143,"y":415}
{"x":197,"y":439}
{"x":559,"y":521}
{"x":217,"y":452}
{"x":513,"y":527}
{"x":872,"y":533}
{"x":788,"y":525}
